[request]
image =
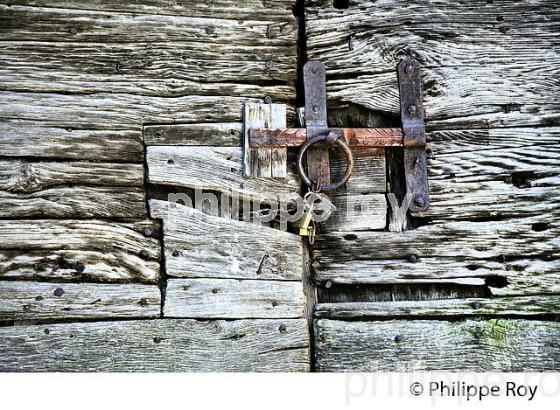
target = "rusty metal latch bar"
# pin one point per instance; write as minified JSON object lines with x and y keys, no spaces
{"x":414,"y":139}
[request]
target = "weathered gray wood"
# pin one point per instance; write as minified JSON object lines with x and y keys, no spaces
{"x":357,"y":212}
{"x":114,"y":111}
{"x":426,"y":345}
{"x":369,"y":171}
{"x":197,"y":245}
{"x":75,"y":202}
{"x":72,"y":249}
{"x":24,"y":300}
{"x":216,"y":169}
{"x":158,"y":345}
{"x":264,"y":162}
{"x":233,"y":299}
{"x":478,"y":58}
{"x":511,"y":249}
{"x":19,"y":138}
{"x":520,"y":306}
{"x":227,"y":134}
{"x":523,"y":276}
{"x":71,"y":189}
{"x":30,"y":176}
{"x":273,"y":10}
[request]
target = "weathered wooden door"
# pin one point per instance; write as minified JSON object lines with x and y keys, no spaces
{"x":113,"y":113}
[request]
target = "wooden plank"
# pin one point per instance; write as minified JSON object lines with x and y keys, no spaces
{"x":273,"y":10}
{"x":71,"y":189}
{"x":24,"y":300}
{"x":84,"y":250}
{"x":477,"y":58}
{"x":157,"y":69}
{"x":20,"y":138}
{"x":75,"y":202}
{"x":197,"y":245}
{"x":357,"y":213}
{"x":264,"y":162}
{"x":227,"y":134}
{"x":509,"y":306}
{"x":522,"y":276}
{"x":114,"y":111}
{"x":158,"y":345}
{"x":427,"y":345}
{"x":233,"y":299}
{"x":522,"y":252}
{"x":216,"y":169}
{"x":53,"y":24}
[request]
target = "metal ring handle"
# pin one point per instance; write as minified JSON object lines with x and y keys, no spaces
{"x":342,"y":144}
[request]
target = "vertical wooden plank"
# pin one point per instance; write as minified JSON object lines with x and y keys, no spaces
{"x":264,"y":162}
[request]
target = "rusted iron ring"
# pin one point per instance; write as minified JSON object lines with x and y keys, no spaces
{"x":331,"y":138}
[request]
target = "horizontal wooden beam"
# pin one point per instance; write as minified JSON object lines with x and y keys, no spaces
{"x":294,"y":137}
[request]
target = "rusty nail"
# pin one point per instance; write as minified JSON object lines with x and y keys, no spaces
{"x":80,"y":267}
{"x":175,"y":253}
{"x":26,"y":308}
{"x":412,"y":258}
{"x":268,"y":99}
{"x":269,"y":64}
{"x":476,"y":305}
{"x":214,"y":291}
{"x":148,"y":231}
{"x":59,"y":292}
{"x":143,"y":302}
{"x":144,"y":253}
{"x":38,"y":298}
{"x":282,"y":328}
{"x":399,"y":338}
{"x":47,"y":331}
{"x":412,"y":110}
{"x":419,"y":201}
{"x":210,"y":30}
{"x":157,"y":339}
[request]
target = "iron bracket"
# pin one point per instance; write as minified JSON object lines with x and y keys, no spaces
{"x":414,"y":138}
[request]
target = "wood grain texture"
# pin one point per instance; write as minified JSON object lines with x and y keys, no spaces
{"x":357,"y":212}
{"x":71,"y":189}
{"x":233,"y":299}
{"x":87,"y":250}
{"x":516,"y":306}
{"x":477,"y":59}
{"x":273,"y":10}
{"x":158,"y":345}
{"x":427,"y":345}
{"x":523,"y":276}
{"x":216,"y":169}
{"x":264,"y":162}
{"x":212,"y":134}
{"x":20,"y":138}
{"x":117,"y":111}
{"x":523,"y":251}
{"x":23,"y":300}
{"x":197,"y":245}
